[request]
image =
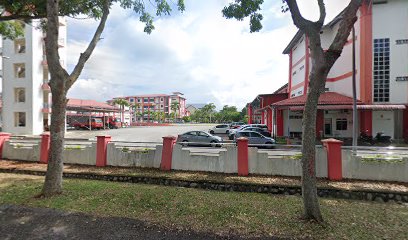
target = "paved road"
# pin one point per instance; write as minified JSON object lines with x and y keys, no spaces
{"x":140,"y":134}
{"x":40,"y":223}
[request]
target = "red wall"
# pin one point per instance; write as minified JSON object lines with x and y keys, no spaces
{"x":366,"y":122}
{"x":405,"y":125}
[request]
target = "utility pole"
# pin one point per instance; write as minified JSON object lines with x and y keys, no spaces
{"x":355,"y":113}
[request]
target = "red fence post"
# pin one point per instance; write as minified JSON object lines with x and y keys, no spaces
{"x":242,"y":156}
{"x":45,"y":147}
{"x":167,"y":152}
{"x":3,"y":138}
{"x":101,"y":150}
{"x":334,"y":161}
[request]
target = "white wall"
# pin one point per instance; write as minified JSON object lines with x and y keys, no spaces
{"x":337,"y":114}
{"x":383,"y":121}
{"x":390,"y":21}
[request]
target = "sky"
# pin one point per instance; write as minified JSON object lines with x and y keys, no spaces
{"x":198,"y":52}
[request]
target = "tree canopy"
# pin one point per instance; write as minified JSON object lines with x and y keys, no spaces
{"x":27,"y":10}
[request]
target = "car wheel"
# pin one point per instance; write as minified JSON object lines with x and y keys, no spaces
{"x":184,"y":143}
{"x":227,"y":132}
{"x":269,"y":145}
{"x":213,"y":143}
{"x":211,"y":131}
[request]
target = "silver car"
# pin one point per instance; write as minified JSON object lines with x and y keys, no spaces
{"x":198,"y":138}
{"x":256,"y":139}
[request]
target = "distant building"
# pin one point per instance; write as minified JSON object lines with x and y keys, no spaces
{"x":154,"y":107}
{"x":194,"y":107}
{"x":26,"y":94}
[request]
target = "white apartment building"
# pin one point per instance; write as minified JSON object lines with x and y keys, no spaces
{"x":381,"y":40}
{"x":26,"y":93}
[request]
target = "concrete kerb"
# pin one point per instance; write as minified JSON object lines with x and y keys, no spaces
{"x":324,"y":192}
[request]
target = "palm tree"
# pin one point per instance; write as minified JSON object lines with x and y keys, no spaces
{"x":122,"y":103}
{"x":134,"y":108}
{"x":175,"y":106}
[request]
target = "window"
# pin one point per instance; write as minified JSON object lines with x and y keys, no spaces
{"x":145,"y":100}
{"x":19,"y":119}
{"x":302,"y":67}
{"x":132,"y":100}
{"x":294,"y":73}
{"x":19,"y":95}
{"x":161,"y":106}
{"x":381,"y":71}
{"x":341,"y":124}
{"x":19,"y":45}
{"x":19,"y":70}
{"x":161,"y":99}
{"x":151,"y":99}
{"x":138,"y":100}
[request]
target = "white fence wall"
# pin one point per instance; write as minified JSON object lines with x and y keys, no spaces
{"x":222,"y":160}
{"x":354,"y":167}
{"x":117,"y":156}
{"x":225,"y":161}
{"x":21,"y":151}
{"x":81,"y":154}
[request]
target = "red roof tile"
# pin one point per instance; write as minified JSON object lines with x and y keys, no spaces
{"x":78,"y":103}
{"x":327,"y":98}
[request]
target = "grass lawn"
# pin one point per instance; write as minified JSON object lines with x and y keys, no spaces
{"x":212,"y":211}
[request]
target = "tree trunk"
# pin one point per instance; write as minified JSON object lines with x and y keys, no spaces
{"x":317,"y":84}
{"x":53,"y":178}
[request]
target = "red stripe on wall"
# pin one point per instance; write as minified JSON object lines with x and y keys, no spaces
{"x":366,"y":54}
{"x":341,"y":77}
{"x":298,"y":85}
{"x":306,"y":64}
{"x":290,"y":72}
{"x":299,"y":61}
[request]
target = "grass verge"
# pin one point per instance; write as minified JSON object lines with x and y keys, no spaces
{"x":212,"y":211}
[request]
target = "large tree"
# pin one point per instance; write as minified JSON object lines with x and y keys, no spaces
{"x":61,"y":81}
{"x":322,"y":62}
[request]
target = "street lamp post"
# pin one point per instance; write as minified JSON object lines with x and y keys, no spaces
{"x":355,"y":113}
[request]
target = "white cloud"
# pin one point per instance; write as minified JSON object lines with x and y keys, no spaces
{"x":198,"y":52}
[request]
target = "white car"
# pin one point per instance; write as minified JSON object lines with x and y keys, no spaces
{"x":222,"y":128}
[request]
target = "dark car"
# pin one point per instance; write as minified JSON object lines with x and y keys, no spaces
{"x":256,"y":139}
{"x":198,"y":138}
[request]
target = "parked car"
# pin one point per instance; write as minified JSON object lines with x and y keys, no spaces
{"x":262,"y":131}
{"x":258,"y":125}
{"x":198,"y":138}
{"x":235,"y":125}
{"x":232,"y":132}
{"x":222,"y":128}
{"x":255,"y":138}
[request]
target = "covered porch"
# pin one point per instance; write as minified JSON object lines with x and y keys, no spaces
{"x":335,"y":118}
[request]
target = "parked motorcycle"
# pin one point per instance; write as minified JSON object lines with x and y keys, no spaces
{"x":379,"y":138}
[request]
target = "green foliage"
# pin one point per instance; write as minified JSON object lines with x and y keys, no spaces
{"x":27,"y":10}
{"x":241,"y":9}
{"x":12,"y":29}
{"x":187,"y":119}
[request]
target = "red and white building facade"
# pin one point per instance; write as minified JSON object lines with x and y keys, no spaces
{"x":147,"y":104}
{"x":381,"y":40}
